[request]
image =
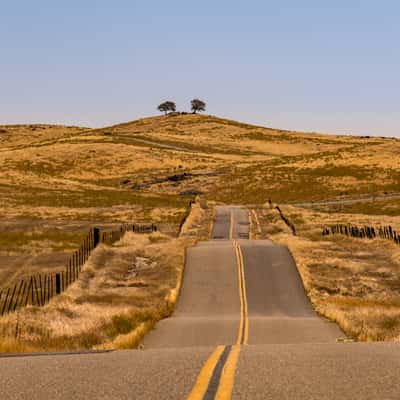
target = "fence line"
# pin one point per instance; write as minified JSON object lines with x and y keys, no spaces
{"x":286,"y":220}
{"x":369,"y":232}
{"x":185,"y":216}
{"x":38,"y":290}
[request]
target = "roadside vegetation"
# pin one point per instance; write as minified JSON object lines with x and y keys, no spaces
{"x":122,"y":291}
{"x":355,"y":282}
{"x":56,"y":182}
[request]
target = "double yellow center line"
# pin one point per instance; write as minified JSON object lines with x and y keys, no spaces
{"x":243,"y":335}
{"x":217,"y":377}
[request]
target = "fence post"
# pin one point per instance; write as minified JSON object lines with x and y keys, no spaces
{"x":27,"y":293}
{"x":20,"y":295}
{"x":36,"y":291}
{"x":48,"y":288}
{"x":96,"y":237}
{"x":31,"y":287}
{"x":69,"y":273}
{"x":41,"y":290}
{"x":5,"y":302}
{"x":11,"y":299}
{"x":58,"y":283}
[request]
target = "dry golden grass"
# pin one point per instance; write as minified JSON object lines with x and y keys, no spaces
{"x":250,"y":162}
{"x":122,"y":292}
{"x":352,"y":281}
{"x":134,"y":172}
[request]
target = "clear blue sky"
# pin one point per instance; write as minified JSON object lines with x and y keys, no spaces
{"x":315,"y":65}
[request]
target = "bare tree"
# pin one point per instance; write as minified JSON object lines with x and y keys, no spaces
{"x":167,"y":106}
{"x":198,"y":105}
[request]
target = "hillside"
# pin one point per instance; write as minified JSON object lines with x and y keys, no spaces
{"x":56,"y":182}
{"x":130,"y":163}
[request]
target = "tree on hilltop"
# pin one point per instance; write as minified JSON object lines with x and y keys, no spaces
{"x":198,"y":105}
{"x":167,"y":106}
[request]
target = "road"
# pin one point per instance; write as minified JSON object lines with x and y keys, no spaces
{"x":243,"y":329}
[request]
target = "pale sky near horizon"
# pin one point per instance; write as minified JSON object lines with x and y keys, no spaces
{"x":309,"y":65}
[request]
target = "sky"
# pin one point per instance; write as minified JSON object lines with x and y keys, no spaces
{"x":310,"y":65}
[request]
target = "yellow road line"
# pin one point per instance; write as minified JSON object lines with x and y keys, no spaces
{"x":227,"y":380}
{"x":231,"y":226}
{"x":243,"y":335}
{"x":244,"y":295}
{"x":239,"y":339}
{"x":205,"y":375}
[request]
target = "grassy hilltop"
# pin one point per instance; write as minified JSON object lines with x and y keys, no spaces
{"x":86,"y":169}
{"x":57,"y":181}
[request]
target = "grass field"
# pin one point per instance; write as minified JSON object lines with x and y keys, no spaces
{"x":56,"y":182}
{"x":121,"y":293}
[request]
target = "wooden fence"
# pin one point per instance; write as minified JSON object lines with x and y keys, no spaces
{"x":369,"y":232}
{"x":37,"y":290}
{"x":286,"y":220}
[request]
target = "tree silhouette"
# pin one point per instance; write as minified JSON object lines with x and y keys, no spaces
{"x":198,"y":105}
{"x":167,"y":106}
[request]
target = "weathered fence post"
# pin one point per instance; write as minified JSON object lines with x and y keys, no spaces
{"x":69,"y":273}
{"x":5,"y":302}
{"x":96,"y":237}
{"x":11,"y":298}
{"x":18,"y":295}
{"x":27,"y":293}
{"x":58,"y":283}
{"x":63,"y":281}
{"x":48,"y":288}
{"x":22,"y":293}
{"x":41,"y":291}
{"x":36,"y":291}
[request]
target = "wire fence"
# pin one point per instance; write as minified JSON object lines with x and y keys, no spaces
{"x":286,"y":220}
{"x":369,"y":232}
{"x":39,"y":289}
{"x":185,"y":216}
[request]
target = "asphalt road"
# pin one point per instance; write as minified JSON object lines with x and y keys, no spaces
{"x":243,"y":329}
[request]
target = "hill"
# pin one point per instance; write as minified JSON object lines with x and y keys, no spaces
{"x":56,"y":182}
{"x":145,"y":161}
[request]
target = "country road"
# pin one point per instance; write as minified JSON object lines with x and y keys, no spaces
{"x":243,"y":329}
